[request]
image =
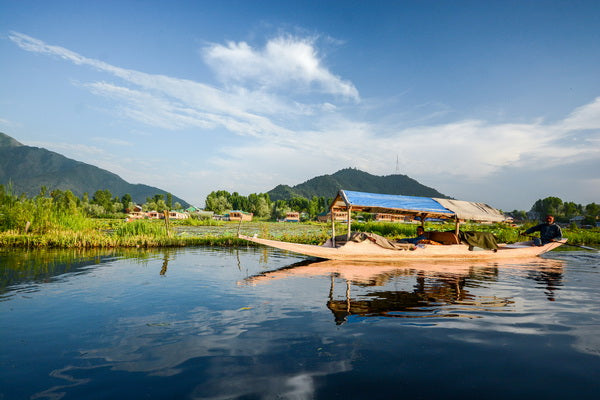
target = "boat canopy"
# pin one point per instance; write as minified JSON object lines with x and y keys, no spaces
{"x":416,"y":206}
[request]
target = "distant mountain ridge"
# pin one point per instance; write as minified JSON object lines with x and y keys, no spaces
{"x":29,"y":168}
{"x":353,"y":179}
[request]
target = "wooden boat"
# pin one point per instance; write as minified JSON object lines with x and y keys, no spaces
{"x":418,"y":207}
{"x":369,"y":251}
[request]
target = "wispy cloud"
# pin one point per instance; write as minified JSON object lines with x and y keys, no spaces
{"x":8,"y":123}
{"x":288,"y":62}
{"x":186,"y":103}
{"x":116,"y":142}
{"x":584,"y":117}
{"x":72,"y":148}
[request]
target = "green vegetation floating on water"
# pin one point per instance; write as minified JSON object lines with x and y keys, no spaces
{"x":148,"y":234}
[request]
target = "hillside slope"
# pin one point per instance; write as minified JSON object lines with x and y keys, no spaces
{"x":29,"y":168}
{"x":353,"y":179}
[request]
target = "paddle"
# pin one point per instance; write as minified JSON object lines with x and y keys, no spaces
{"x":582,"y":247}
{"x":568,"y":244}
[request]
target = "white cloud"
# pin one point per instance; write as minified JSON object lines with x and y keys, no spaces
{"x":113,"y":141}
{"x":5,"y":121}
{"x":584,"y":117}
{"x":68,"y":148}
{"x":181,"y":103}
{"x":284,"y":61}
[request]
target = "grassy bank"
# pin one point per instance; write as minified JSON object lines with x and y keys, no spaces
{"x":148,"y":234}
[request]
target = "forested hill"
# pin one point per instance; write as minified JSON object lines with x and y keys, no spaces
{"x":29,"y":168}
{"x":352,"y":179}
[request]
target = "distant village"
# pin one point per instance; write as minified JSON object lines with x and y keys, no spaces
{"x":237,"y":215}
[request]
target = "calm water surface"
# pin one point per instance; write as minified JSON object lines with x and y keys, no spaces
{"x":209,"y":323}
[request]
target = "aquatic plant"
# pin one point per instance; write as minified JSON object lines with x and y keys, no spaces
{"x":141,"y":228}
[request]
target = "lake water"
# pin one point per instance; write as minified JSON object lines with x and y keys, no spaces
{"x":254,"y":323}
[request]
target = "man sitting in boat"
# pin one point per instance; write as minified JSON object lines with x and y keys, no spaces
{"x":549,"y":232}
{"x":420,"y":236}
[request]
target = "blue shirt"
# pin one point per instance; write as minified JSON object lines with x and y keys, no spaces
{"x":414,"y":240}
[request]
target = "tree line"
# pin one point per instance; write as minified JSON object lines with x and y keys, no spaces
{"x":260,"y":204}
{"x":563,"y":211}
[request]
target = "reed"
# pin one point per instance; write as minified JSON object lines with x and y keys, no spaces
{"x":144,"y":228}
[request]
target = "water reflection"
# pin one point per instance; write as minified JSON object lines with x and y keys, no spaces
{"x":550,"y":278}
{"x":165,"y":265}
{"x":36,"y":266}
{"x":232,"y":323}
{"x":416,"y":289}
{"x":20,"y":267}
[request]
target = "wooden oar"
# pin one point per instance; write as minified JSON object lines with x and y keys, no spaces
{"x":582,"y":247}
{"x":566,"y":243}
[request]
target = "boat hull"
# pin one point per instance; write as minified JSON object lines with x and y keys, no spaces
{"x":369,"y":251}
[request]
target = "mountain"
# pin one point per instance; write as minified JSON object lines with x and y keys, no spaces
{"x":29,"y":168}
{"x":352,"y":179}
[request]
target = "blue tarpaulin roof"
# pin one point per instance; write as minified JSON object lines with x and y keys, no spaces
{"x":440,"y":208}
{"x":380,"y":202}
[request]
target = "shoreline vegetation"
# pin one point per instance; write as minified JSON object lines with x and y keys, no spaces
{"x":110,"y":233}
{"x":60,"y":219}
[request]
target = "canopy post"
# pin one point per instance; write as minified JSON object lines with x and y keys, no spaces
{"x":349,"y":223}
{"x":332,"y":227}
{"x":456,"y":225}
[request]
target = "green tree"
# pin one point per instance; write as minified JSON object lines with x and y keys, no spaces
{"x":299,"y":204}
{"x":549,"y":205}
{"x":592,"y":210}
{"x":571,"y":209}
{"x":279,"y":209}
{"x":158,"y":197}
{"x":262,"y":208}
{"x":161,"y":205}
{"x":218,"y":202}
{"x":126,"y":200}
{"x":103,"y":198}
{"x":65,"y":202}
{"x":170,"y":201}
{"x":259,"y":204}
{"x":239,"y":202}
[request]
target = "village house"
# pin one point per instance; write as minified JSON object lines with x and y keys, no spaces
{"x":292,"y":217}
{"x":339,"y":216}
{"x":238,"y":216}
{"x":381,"y":217}
{"x":178,"y":215}
{"x":136,"y":213}
{"x":154,"y":215}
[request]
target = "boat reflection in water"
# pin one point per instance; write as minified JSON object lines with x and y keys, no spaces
{"x":431,"y":289}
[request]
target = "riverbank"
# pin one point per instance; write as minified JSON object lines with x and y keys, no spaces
{"x":147,"y":234}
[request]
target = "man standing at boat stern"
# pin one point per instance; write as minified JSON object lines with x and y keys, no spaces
{"x":549,"y":232}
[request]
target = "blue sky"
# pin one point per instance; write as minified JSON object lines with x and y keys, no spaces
{"x":491,"y":101}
